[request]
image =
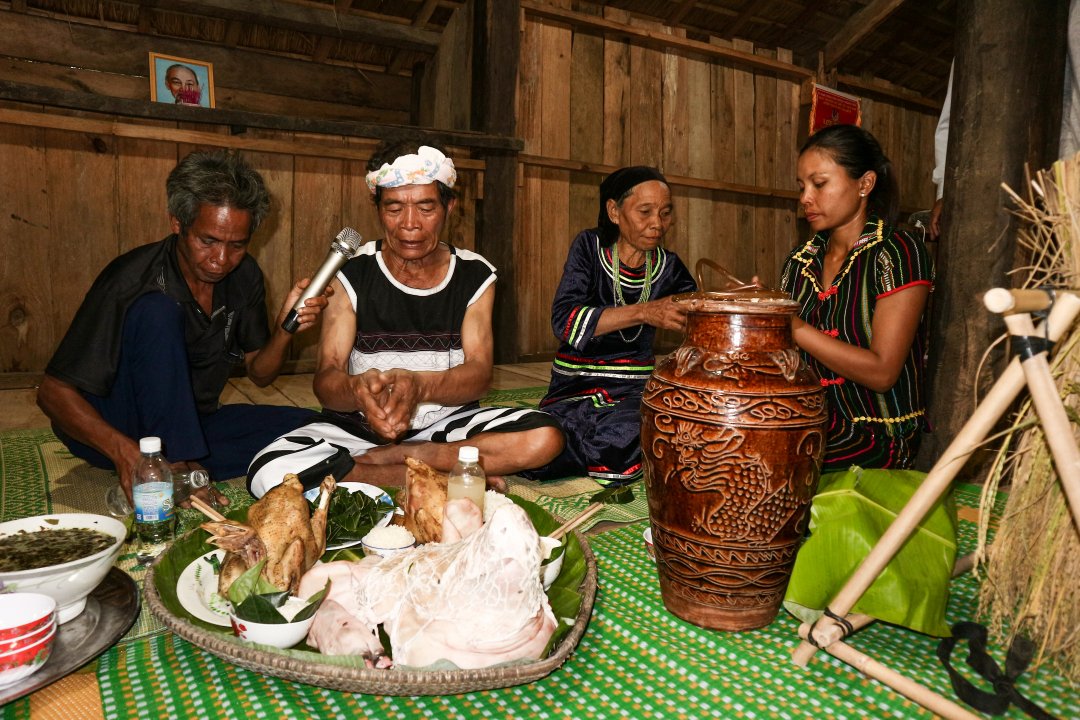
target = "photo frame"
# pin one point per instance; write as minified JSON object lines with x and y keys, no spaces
{"x":181,"y":81}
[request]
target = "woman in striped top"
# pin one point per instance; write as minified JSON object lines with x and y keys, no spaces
{"x":863,"y":287}
{"x":613,"y":295}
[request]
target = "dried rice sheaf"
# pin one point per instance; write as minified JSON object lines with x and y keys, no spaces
{"x":1031,"y":571}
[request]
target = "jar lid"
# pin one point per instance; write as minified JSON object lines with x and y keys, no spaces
{"x":754,"y":300}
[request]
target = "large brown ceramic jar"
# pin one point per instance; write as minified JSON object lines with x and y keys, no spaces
{"x":732,"y":437}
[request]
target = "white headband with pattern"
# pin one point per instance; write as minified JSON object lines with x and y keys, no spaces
{"x":423,"y":168}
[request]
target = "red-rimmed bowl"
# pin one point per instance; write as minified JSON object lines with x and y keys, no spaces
{"x":14,"y":644}
{"x":22,"y":614}
{"x":21,"y":663}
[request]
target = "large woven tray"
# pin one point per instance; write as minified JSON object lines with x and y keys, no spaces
{"x":382,"y":682}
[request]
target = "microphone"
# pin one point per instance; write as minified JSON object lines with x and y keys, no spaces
{"x":342,"y":249}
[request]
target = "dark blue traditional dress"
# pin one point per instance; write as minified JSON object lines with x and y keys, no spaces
{"x":866,"y":428}
{"x":597,"y":382}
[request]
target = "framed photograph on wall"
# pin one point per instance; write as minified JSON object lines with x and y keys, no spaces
{"x":180,"y":81}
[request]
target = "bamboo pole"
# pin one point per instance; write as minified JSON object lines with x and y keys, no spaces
{"x":907,"y":687}
{"x":1052,"y":417}
{"x":936,"y":484}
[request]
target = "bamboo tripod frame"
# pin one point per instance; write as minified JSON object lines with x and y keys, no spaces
{"x":1033,"y":372}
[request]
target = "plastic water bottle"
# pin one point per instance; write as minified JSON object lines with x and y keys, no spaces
{"x":467,"y":479}
{"x":152,"y":488}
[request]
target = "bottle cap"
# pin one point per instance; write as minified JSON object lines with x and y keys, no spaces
{"x":150,"y":445}
{"x":468,"y":454}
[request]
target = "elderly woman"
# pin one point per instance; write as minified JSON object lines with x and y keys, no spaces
{"x":614,"y":294}
{"x":863,"y":287}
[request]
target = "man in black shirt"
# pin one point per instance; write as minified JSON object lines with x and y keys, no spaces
{"x":150,"y":349}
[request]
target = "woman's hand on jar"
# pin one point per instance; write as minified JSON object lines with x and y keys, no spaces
{"x":664,"y":313}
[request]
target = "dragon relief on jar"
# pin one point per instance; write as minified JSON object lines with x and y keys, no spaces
{"x":737,"y":365}
{"x":742,"y":408}
{"x":754,"y":503}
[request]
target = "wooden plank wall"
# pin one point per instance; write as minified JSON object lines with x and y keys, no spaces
{"x":78,"y":200}
{"x":592,"y":99}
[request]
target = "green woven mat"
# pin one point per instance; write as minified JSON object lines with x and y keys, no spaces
{"x":636,"y":660}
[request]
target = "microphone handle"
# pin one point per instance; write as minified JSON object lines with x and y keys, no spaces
{"x":325,"y":274}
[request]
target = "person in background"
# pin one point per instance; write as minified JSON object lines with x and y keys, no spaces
{"x":863,"y":288}
{"x":152,"y":345}
{"x":615,"y":292}
{"x":941,"y":146}
{"x":406,"y":350}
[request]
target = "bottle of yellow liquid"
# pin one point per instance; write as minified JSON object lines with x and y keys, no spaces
{"x":467,"y":479}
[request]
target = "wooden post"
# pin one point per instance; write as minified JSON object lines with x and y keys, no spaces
{"x":1006,"y":111}
{"x":496,"y":48}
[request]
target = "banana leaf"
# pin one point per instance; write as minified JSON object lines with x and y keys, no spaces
{"x":850,"y":513}
{"x":563,"y":597}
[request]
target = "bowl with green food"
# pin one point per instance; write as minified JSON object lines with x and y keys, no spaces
{"x":64,"y":556}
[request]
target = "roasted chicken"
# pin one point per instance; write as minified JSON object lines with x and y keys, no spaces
{"x":279,"y":528}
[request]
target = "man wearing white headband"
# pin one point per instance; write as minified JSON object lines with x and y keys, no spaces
{"x":406,"y":350}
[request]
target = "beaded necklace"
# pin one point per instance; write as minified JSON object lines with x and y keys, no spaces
{"x":645,"y":291}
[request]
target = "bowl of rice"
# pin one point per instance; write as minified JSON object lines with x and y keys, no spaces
{"x":385,"y":541}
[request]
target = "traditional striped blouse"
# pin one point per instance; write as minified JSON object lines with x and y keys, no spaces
{"x":586,"y":363}
{"x":882,"y":262}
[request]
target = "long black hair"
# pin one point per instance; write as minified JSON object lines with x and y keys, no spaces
{"x":858,"y":152}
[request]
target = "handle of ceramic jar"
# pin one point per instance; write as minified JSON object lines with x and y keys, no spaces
{"x":700,"y":274}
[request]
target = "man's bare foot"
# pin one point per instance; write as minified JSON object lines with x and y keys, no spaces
{"x":498,"y":484}
{"x":383,"y":455}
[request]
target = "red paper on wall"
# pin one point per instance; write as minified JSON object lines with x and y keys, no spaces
{"x":831,"y":107}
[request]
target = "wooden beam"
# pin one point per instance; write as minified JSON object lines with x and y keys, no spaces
{"x":496,"y":53}
{"x":137,"y":88}
{"x":306,"y":19}
{"x":751,"y":8}
{"x":856,"y":29}
{"x":195,"y":137}
{"x":426,"y":11}
{"x":797,"y":24}
{"x":232,"y":33}
{"x":53,"y":97}
{"x":401,"y":57}
{"x":655,"y":39}
{"x":918,"y":102}
{"x":96,"y":48}
{"x":679,"y":12}
{"x":600,"y":169}
{"x":945,"y":46}
{"x":323,"y":47}
{"x":146,"y":20}
{"x":18,"y":6}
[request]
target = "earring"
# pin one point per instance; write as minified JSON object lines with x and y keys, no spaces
{"x":862,"y":194}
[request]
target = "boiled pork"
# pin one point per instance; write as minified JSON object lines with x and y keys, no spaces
{"x":476,"y":602}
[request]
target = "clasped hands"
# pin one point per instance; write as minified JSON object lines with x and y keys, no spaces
{"x":388,"y":399}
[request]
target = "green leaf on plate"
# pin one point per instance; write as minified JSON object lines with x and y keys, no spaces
{"x":849,"y":515}
{"x":351,"y":516}
{"x":184,"y":551}
{"x":350,"y":554}
{"x":314,"y":602}
{"x":246,"y":584}
{"x":262,"y":608}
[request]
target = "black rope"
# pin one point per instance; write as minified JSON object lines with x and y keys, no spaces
{"x":848,"y":628}
{"x":1004,"y":682}
{"x":1028,"y":346}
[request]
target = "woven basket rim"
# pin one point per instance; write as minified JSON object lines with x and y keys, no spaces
{"x":373,"y":681}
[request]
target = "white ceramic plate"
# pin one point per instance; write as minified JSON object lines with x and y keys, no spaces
{"x":197,"y":591}
{"x":371,"y":491}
